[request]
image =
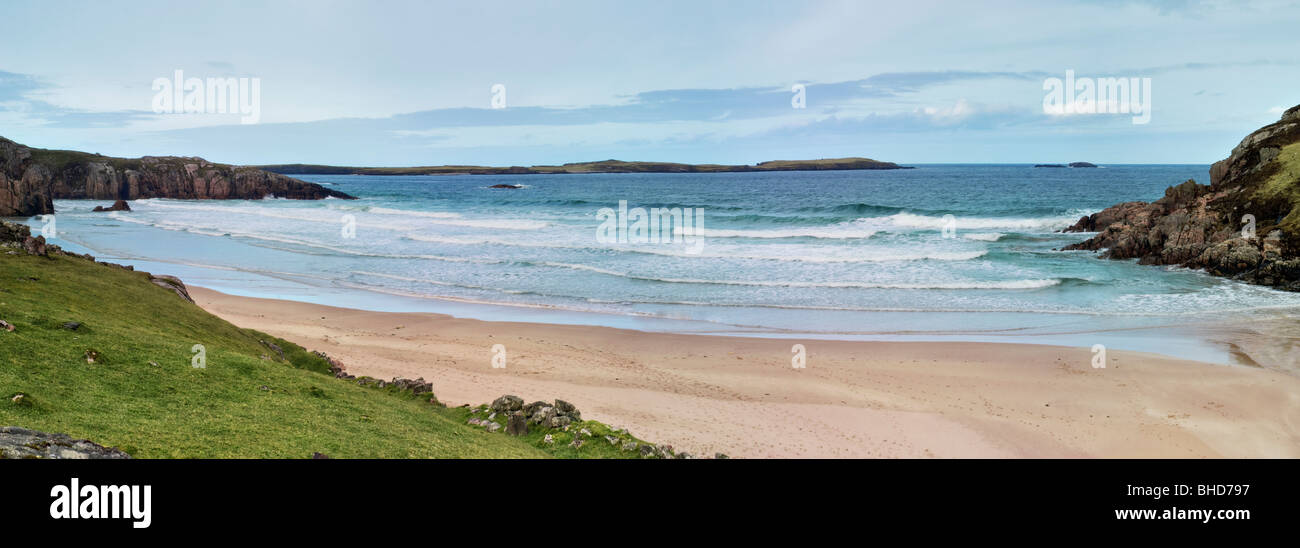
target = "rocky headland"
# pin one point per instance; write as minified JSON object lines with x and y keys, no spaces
{"x":1244,"y":225}
{"x":31,"y":178}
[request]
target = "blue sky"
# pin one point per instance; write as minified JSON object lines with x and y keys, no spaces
{"x":409,"y":83}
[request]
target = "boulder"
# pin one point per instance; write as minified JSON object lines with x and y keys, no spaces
{"x":516,"y":424}
{"x":567,"y":409}
{"x":14,"y":233}
{"x":176,"y":285}
{"x":36,"y":246}
{"x":21,"y":443}
{"x":119,"y":205}
{"x":417,"y":386}
{"x":1230,"y":257}
{"x":543,"y":416}
{"x":508,"y":403}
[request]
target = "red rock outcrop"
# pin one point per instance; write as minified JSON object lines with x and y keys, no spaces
{"x":1210,"y":226}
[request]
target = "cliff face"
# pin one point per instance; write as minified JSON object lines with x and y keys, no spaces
{"x":24,"y":187}
{"x":31,"y":178}
{"x":1210,"y":226}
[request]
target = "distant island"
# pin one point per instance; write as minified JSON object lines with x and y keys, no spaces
{"x":1072,"y":164}
{"x":606,"y":166}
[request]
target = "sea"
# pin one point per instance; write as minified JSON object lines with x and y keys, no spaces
{"x":935,"y":253}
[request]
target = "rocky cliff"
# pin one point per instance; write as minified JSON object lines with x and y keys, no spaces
{"x":31,"y":178}
{"x":1244,"y":225}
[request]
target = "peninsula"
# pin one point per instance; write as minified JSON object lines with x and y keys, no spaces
{"x":31,"y":178}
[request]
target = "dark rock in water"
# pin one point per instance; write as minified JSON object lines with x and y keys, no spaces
{"x":506,"y":186}
{"x":1050,"y":165}
{"x":516,"y":424}
{"x":1082,"y":164}
{"x":21,"y":443}
{"x":1244,"y":225}
{"x":119,"y":205}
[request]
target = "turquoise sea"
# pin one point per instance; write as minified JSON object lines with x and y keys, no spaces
{"x":842,"y":254}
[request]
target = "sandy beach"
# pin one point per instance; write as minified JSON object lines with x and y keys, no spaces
{"x":742,"y":396}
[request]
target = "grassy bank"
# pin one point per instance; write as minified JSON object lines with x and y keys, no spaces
{"x":142,"y":393}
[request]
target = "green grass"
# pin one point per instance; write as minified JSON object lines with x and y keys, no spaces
{"x":58,"y":160}
{"x":246,"y":402}
{"x":1282,"y":186}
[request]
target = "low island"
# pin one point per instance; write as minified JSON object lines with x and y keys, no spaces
{"x":605,"y":166}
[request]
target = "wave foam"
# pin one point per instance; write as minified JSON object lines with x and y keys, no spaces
{"x":1006,"y":284}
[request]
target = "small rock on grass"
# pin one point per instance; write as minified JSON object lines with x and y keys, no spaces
{"x":6,"y":326}
{"x":516,"y":424}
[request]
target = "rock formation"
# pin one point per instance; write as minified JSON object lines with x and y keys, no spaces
{"x":119,"y":205}
{"x":31,"y":178}
{"x":1244,"y":225}
{"x":21,"y":443}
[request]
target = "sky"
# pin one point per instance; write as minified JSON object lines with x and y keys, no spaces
{"x":414,"y":83}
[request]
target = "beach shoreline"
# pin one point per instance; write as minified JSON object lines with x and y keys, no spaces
{"x":742,"y":396}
